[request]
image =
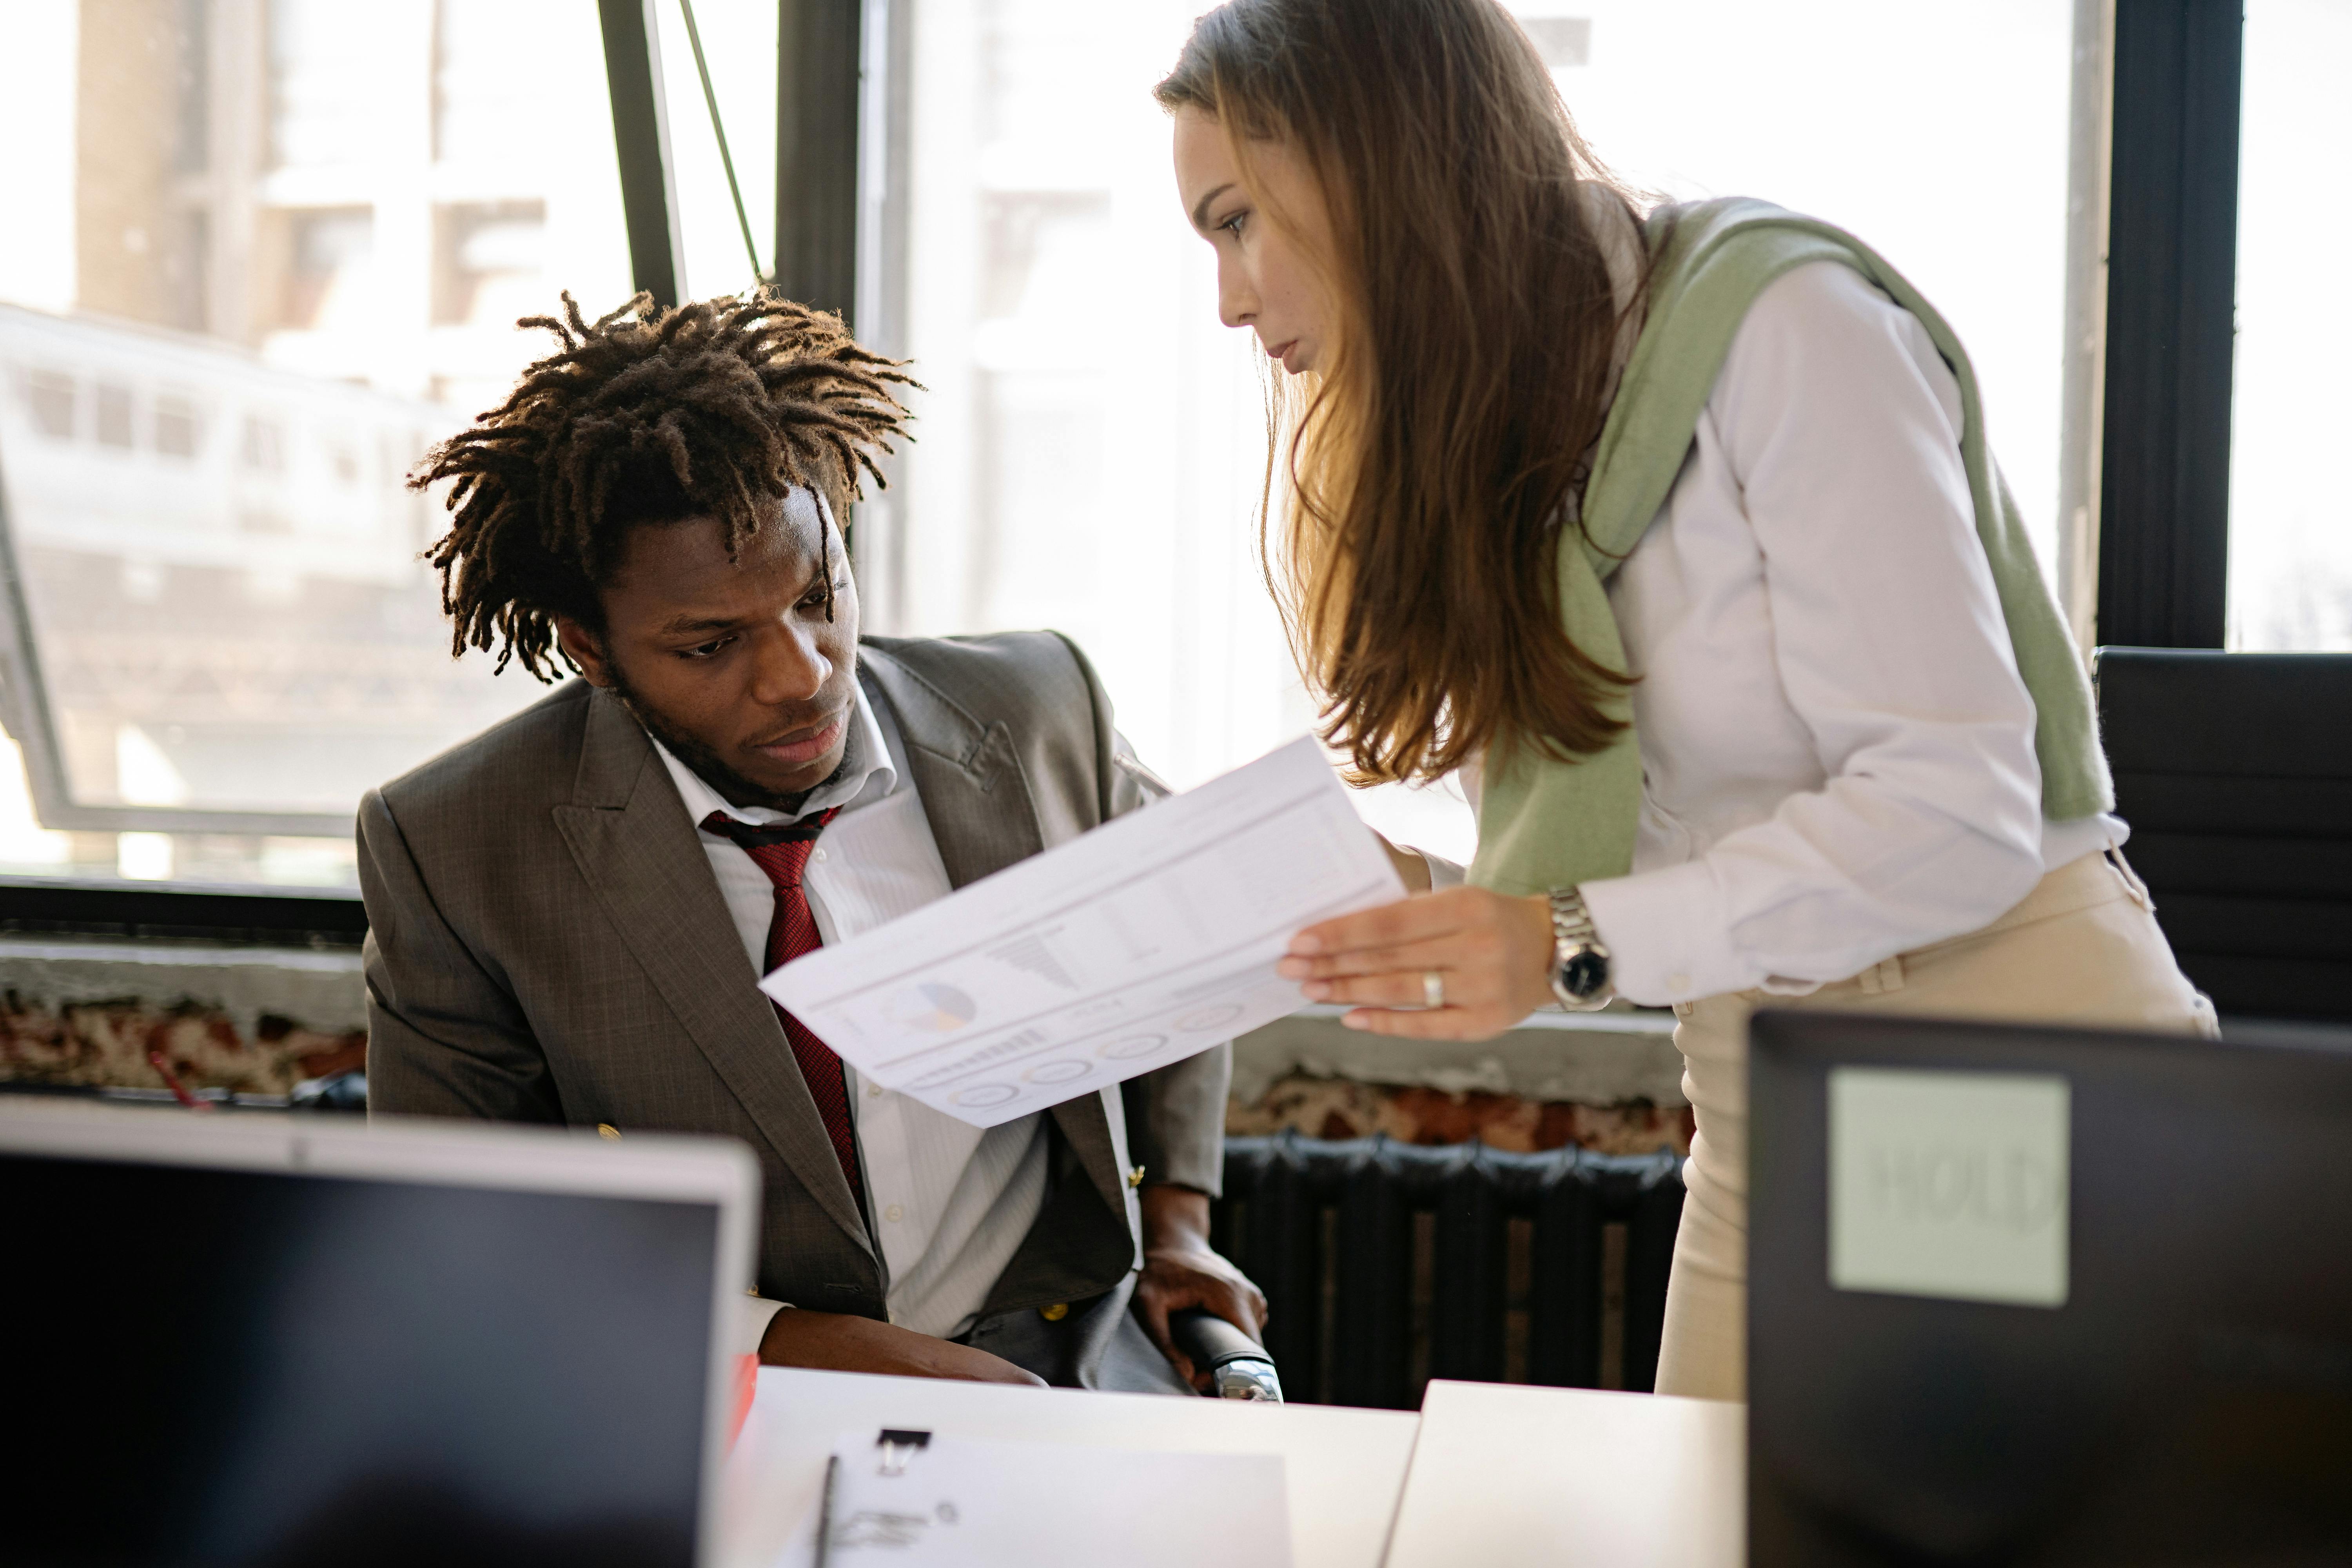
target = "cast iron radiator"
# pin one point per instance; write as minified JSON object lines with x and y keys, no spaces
{"x":1386,"y":1264}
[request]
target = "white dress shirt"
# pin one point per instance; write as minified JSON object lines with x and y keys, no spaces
{"x":1837,"y":750}
{"x":947,"y":1203}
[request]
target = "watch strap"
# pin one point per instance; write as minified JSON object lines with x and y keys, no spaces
{"x":1577,"y":949}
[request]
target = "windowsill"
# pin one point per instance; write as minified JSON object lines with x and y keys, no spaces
{"x":1586,"y":1058}
{"x":319,"y":988}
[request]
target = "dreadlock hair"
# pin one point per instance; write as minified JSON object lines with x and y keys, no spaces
{"x":648,"y":415}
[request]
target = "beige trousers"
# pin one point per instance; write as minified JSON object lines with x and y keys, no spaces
{"x":2082,"y":948}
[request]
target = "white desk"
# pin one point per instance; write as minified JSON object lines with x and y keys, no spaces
{"x":1569,"y":1477}
{"x":1344,"y":1466}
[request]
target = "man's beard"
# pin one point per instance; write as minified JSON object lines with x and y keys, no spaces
{"x":733,"y":786}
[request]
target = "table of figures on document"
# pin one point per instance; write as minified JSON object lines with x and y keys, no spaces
{"x":1138,"y":944}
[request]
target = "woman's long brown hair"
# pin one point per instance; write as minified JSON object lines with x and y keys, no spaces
{"x":1435,"y":459}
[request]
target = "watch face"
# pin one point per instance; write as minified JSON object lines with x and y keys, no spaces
{"x":1584,"y":973}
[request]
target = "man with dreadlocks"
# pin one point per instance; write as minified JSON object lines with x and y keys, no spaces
{"x":560,"y":909}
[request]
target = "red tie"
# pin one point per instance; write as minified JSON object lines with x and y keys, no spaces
{"x":783,"y":852}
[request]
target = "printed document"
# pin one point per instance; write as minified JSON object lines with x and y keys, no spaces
{"x":1140,"y":944}
{"x":913,"y":1499}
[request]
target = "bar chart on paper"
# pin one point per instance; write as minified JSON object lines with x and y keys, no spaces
{"x":1145,"y":942}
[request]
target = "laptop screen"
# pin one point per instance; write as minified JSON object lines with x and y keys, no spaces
{"x":250,"y":1366}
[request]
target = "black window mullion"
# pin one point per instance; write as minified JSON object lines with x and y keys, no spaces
{"x":2172,"y":238}
{"x":641,"y":142}
{"x":819,"y":46}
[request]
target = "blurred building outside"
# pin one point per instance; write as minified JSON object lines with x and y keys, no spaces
{"x":271,"y":249}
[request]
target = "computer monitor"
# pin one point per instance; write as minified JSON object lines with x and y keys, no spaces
{"x":2027,"y":1296}
{"x":286,"y":1340}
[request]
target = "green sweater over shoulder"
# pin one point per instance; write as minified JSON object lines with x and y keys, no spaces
{"x":1545,"y":822}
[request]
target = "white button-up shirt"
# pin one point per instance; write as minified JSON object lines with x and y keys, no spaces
{"x":949,"y":1203}
{"x":1837,"y":751}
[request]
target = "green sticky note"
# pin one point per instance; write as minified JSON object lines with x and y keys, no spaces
{"x":1951,"y":1185}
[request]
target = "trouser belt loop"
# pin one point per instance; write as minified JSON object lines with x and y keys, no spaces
{"x":2140,"y":895}
{"x":1882,"y":977}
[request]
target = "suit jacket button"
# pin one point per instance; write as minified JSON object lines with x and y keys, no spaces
{"x":1055,"y":1313}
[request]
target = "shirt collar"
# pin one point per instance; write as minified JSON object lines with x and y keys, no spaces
{"x":867,"y":771}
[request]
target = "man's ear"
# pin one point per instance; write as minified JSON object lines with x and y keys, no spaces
{"x":583,"y":647}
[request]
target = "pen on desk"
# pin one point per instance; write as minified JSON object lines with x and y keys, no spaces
{"x":825,"y":1511}
{"x":172,"y":1081}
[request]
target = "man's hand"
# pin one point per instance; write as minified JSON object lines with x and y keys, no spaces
{"x":843,"y":1342}
{"x":1180,"y":1270}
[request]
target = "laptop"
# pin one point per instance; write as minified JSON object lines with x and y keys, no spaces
{"x":286,"y":1340}
{"x":2026,"y":1295}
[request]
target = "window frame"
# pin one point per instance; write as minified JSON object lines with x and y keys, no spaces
{"x":24,"y":709}
{"x":821,"y":93}
{"x":641,"y":143}
{"x":322,"y":918}
{"x":2175,"y":70}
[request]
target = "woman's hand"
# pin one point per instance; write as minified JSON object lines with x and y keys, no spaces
{"x":1492,"y":953}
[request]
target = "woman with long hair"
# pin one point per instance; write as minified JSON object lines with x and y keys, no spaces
{"x":1674,"y":532}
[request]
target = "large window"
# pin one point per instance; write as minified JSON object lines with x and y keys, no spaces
{"x":267,"y":251}
{"x":2290,"y":523}
{"x":1091,"y":440}
{"x":261,"y":253}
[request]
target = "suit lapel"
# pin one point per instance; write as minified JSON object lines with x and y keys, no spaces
{"x":968,"y":774}
{"x":983,"y":819}
{"x":629,"y":834}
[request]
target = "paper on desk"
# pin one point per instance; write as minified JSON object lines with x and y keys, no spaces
{"x":965,"y":1501}
{"x":1138,"y":944}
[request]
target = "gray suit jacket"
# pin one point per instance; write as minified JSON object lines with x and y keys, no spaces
{"x":547,"y":943}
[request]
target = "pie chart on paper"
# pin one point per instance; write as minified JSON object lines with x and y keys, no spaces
{"x":938,"y":1009}
{"x":1132,"y":1046}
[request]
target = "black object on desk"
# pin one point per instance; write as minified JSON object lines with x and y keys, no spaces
{"x":1238,"y":1366}
{"x":2140,"y":1351}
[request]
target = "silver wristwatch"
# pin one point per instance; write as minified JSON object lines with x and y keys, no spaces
{"x":1579,"y":963}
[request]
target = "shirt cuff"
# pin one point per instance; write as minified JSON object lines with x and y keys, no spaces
{"x":1443,"y":873}
{"x":752,"y":1323}
{"x":1667,"y":939}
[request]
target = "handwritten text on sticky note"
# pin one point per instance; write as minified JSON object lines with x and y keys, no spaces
{"x":1949,"y":1184}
